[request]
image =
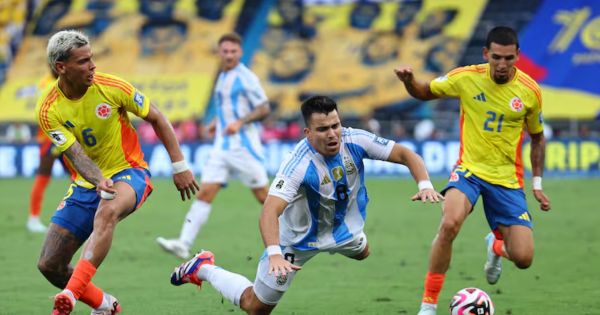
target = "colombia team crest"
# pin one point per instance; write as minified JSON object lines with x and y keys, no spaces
{"x":103,"y":111}
{"x":516,"y":104}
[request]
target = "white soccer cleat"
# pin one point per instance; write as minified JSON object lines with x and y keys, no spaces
{"x":113,"y":306}
{"x":174,"y":246}
{"x":493,"y":264}
{"x":34,"y":225}
{"x":428,"y":309}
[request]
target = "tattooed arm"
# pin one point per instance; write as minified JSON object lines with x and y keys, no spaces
{"x":87,"y":168}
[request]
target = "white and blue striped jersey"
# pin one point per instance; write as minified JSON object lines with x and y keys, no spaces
{"x":327,"y":195}
{"x":236,"y":94}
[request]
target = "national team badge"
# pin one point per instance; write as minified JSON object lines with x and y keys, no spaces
{"x":61,"y":205}
{"x":453,"y":177}
{"x":516,"y":104}
{"x":103,"y":111}
{"x":338,"y":173}
{"x":350,"y":167}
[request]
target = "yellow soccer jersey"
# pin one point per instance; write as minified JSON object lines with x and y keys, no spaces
{"x":492,"y":119}
{"x":98,"y":121}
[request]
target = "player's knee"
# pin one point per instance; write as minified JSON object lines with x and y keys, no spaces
{"x":206,"y":194}
{"x":106,"y":218}
{"x":449,"y":228}
{"x":47,"y":268}
{"x":522,"y":261}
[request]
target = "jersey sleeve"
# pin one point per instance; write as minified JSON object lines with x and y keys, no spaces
{"x":534,"y":118}
{"x":254,"y":91}
{"x":128,"y":97}
{"x":445,"y":85}
{"x":288,"y":179}
{"x":51,"y":125}
{"x":369,"y":145}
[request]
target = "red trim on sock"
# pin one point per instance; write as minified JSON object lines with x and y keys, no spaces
{"x":92,"y":296}
{"x":433,"y":286}
{"x":498,"y":248}
{"x":37,"y":194}
{"x":81,"y":277}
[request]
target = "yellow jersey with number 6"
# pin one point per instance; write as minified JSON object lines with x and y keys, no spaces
{"x":98,"y":121}
{"x":492,"y":120}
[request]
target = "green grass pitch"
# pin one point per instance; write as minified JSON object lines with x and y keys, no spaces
{"x":564,"y":279}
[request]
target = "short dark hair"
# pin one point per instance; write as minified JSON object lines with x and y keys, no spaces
{"x":502,"y":35}
{"x":317,"y":104}
{"x":231,"y":37}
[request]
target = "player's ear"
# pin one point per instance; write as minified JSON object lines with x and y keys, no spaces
{"x":60,"y":67}
{"x":485,"y":53}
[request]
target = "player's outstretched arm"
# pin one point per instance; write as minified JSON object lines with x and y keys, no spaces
{"x":538,"y":147}
{"x":402,"y":155}
{"x":182,"y":176}
{"x":269,"y":230}
{"x":88,"y":169}
{"x":417,"y":89}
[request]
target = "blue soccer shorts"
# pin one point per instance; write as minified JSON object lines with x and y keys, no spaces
{"x":502,"y":206}
{"x":77,"y":209}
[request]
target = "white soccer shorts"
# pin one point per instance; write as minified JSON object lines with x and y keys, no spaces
{"x":269,"y":289}
{"x":221,"y":165}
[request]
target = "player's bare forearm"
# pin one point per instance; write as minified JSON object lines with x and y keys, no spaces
{"x":164,"y":131}
{"x":538,"y":153}
{"x":83,"y":164}
{"x":419,"y":90}
{"x":402,"y":155}
{"x":269,"y":220}
{"x":260,"y":112}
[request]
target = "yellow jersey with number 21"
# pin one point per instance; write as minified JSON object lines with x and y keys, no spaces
{"x":492,"y":120}
{"x":98,"y":121}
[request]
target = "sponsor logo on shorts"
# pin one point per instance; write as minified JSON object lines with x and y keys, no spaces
{"x":61,"y":205}
{"x":525,"y":217}
{"x":103,"y":111}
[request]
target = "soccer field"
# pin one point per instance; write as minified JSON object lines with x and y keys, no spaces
{"x":562,"y":280}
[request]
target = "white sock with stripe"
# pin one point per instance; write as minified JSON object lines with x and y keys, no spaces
{"x":230,"y":285}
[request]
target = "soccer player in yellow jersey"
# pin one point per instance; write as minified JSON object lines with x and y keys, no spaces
{"x":85,"y":115}
{"x":498,"y":101}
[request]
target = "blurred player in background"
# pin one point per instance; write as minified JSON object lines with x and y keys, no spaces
{"x":317,"y":203}
{"x":497,"y":102}
{"x":240,"y":104}
{"x":85,"y":115}
{"x":48,"y":153}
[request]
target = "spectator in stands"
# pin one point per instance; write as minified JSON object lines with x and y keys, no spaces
{"x":146,"y":132}
{"x":370,"y":124}
{"x":18,"y":133}
{"x":424,"y":129}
